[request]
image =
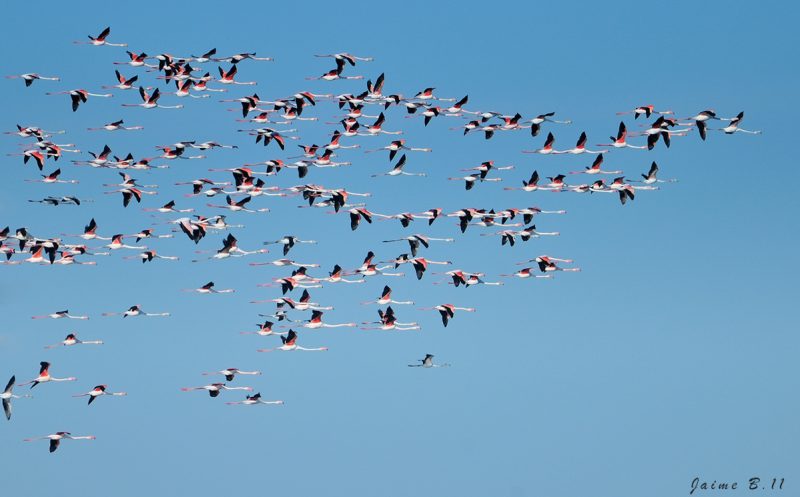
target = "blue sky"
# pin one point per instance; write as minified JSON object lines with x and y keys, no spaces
{"x":671,"y":355}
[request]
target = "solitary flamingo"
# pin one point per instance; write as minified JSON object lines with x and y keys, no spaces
{"x":57,"y":437}
{"x":427,"y":362}
{"x":733,"y":127}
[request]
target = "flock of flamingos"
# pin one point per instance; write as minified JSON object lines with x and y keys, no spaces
{"x":246,"y":189}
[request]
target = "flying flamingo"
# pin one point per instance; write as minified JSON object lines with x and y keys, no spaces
{"x":414,"y":241}
{"x":264,"y":330}
{"x":56,"y":438}
{"x":397,"y":169}
{"x":134,"y":311}
{"x":215,"y":388}
{"x":546,"y":149}
{"x":254,"y":400}
{"x":230,"y":373}
{"x":288,"y":242}
{"x":226,"y":77}
{"x":53,"y":178}
{"x":150,"y":255}
{"x":8,"y":394}
{"x":396,"y":146}
{"x":386,"y":298}
{"x":101,"y":40}
{"x":619,"y":141}
{"x":80,"y":96}
{"x":316,"y":322}
{"x":349,"y":58}
{"x":652,"y":176}
{"x":580,"y":147}
{"x":427,"y":362}
{"x":44,"y":376}
{"x":290,"y":343}
{"x":150,"y":101}
{"x":238,"y":206}
{"x":733,"y":127}
{"x":595,"y":168}
{"x":60,"y":315}
{"x":335,"y":74}
{"x":98,"y":391}
{"x":388,"y":322}
{"x":525,"y":273}
{"x":235,"y":59}
{"x":209,"y":288}
{"x":123,"y":82}
{"x":548,"y":264}
{"x":536,"y":122}
{"x":447,"y":311}
{"x":115,"y":126}
{"x":646,"y":111}
{"x":29,"y":78}
{"x":71,"y":340}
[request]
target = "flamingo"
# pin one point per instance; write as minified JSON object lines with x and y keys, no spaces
{"x":469,"y":279}
{"x":396,"y":146}
{"x":57,"y":437}
{"x":101,"y":40}
{"x":136,"y":60}
{"x":71,"y":340}
{"x":547,"y":149}
{"x":215,"y":388}
{"x":388,"y":322}
{"x":226,"y":77}
{"x":397,"y":169}
{"x":150,"y":101}
{"x":29,"y":78}
{"x":386,"y":298}
{"x":150,"y":255}
{"x":235,"y":59}
{"x":44,"y":376}
{"x":264,"y":329}
{"x":349,"y":58}
{"x":651,"y":176}
{"x":98,"y":391}
{"x":230,"y":373}
{"x":289,"y":343}
{"x":254,"y":400}
{"x":116,"y":126}
{"x":580,"y":147}
{"x":53,"y":178}
{"x":536,"y":122}
{"x":427,"y":362}
{"x":620,"y":140}
{"x":8,"y":394}
{"x":472,"y":179}
{"x":548,"y":264}
{"x":414,"y":241}
{"x":526,"y":273}
{"x":136,"y":310}
{"x":316,"y":322}
{"x":238,"y":206}
{"x":646,"y":111}
{"x":288,"y":242}
{"x":595,"y":168}
{"x":733,"y":127}
{"x":80,"y":96}
{"x":60,"y":315}
{"x":335,"y":74}
{"x":209,"y":288}
{"x":447,"y":311}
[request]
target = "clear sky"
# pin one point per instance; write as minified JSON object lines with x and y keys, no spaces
{"x":672,"y":355}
